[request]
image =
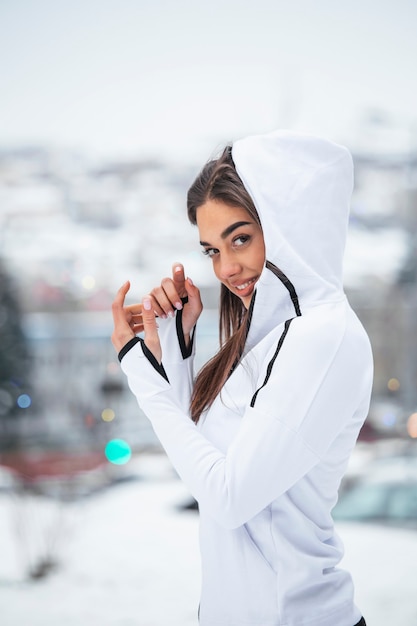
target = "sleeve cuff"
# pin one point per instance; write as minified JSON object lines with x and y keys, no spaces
{"x":146,"y":352}
{"x":132,"y":342}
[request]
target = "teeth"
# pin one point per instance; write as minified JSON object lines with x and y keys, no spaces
{"x":240,"y":287}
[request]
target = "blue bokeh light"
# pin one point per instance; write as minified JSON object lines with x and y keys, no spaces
{"x":24,"y":401}
{"x":118,"y":451}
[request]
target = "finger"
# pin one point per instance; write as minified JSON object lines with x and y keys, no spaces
{"x":118,"y":302}
{"x":179,"y":279}
{"x":134,"y":309}
{"x":151,"y":328}
{"x":122,"y":332}
{"x":193,"y":292}
{"x":194,"y":307}
{"x":134,"y":317}
{"x":163,"y":305}
{"x":136,"y":324}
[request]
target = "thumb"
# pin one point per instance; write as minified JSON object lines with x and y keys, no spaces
{"x":150,"y":328}
{"x":194,"y":307}
{"x":193,"y":292}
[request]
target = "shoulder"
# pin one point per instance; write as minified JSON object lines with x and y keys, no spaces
{"x":326,"y":330}
{"x":323,"y":323}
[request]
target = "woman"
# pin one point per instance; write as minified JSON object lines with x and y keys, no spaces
{"x":276,"y":413}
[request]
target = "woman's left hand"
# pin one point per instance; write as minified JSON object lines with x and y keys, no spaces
{"x":133,"y":319}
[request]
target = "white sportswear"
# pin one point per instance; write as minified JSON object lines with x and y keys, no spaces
{"x":266,"y":460}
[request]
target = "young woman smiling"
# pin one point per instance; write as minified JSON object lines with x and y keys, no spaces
{"x":262,"y":435}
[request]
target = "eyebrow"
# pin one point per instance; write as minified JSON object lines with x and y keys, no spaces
{"x":227,"y":231}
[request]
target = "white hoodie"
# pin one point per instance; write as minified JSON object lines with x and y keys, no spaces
{"x":266,"y":460}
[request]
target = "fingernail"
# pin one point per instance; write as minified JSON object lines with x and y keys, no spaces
{"x":178,"y":306}
{"x":147,"y":304}
{"x":170,"y":313}
{"x":190,"y":281}
{"x":178,"y":268}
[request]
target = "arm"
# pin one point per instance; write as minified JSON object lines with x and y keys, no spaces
{"x":177,"y":304}
{"x":317,"y":383}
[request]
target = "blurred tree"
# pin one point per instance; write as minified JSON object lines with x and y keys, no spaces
{"x":14,"y":361}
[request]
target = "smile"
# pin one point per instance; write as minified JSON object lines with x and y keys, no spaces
{"x":244,"y":285}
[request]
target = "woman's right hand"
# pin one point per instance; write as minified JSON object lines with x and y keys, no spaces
{"x":166,"y":299}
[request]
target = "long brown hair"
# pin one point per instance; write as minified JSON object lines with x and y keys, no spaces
{"x":219,"y":180}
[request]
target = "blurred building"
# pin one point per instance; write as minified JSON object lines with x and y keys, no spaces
{"x":72,"y":232}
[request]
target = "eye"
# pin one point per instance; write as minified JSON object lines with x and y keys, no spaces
{"x":209,"y":251}
{"x":241,"y":240}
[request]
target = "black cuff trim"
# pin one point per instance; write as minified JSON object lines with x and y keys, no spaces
{"x":185,"y":350}
{"x":158,"y":366}
{"x":132,"y":342}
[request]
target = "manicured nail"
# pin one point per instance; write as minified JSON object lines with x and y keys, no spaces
{"x":147,"y":304}
{"x":178,"y":268}
{"x":170,"y":313}
{"x":178,"y":306}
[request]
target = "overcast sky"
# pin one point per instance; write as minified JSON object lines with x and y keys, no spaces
{"x":123,"y":78}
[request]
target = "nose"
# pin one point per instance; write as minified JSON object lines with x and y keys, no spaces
{"x":229,"y":266}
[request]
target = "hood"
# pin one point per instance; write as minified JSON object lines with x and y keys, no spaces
{"x":301,"y":186}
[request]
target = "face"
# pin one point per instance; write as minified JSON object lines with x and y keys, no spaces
{"x":235,"y":244}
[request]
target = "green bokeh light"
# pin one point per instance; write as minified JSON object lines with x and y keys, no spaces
{"x":118,"y":451}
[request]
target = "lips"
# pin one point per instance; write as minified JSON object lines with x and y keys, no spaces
{"x":243,"y":286}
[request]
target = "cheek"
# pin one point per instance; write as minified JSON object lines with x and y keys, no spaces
{"x":261,"y":255}
{"x":216,"y":270}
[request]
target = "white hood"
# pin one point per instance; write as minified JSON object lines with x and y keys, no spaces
{"x":301,"y":186}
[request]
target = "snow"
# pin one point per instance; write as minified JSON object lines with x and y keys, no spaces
{"x":129,"y":557}
{"x":383,"y":564}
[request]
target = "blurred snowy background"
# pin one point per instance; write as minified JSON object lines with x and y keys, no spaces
{"x":107,"y":111}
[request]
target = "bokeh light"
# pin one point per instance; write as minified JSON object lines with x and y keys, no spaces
{"x":389,"y":419}
{"x":24,"y":401}
{"x":88,"y":282}
{"x":118,"y":451}
{"x":412,"y":425}
{"x":108,"y":415}
{"x":393,"y":384}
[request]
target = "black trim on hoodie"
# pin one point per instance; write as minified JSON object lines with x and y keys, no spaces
{"x":293,"y":295}
{"x":132,"y":342}
{"x":287,"y":284}
{"x":158,"y":366}
{"x":185,"y":350}
{"x":147,"y":353}
{"x":272,"y":361}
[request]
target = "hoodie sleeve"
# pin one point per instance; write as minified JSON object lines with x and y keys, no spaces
{"x":177,"y":366}
{"x":318,"y":382}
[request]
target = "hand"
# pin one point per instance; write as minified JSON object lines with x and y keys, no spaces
{"x":167,"y":298}
{"x":133,"y":319}
{"x":136,"y":318}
